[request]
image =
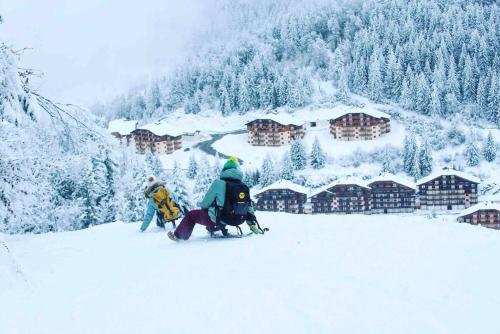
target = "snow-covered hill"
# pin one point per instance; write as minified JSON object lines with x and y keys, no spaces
{"x":309,"y":274}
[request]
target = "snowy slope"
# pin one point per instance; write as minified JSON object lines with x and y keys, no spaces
{"x":238,"y":145}
{"x":309,"y":274}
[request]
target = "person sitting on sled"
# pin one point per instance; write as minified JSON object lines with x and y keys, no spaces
{"x":227,"y":202}
{"x":162,"y":202}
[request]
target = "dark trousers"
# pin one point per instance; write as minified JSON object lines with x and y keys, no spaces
{"x":159,"y":220}
{"x":186,"y":226}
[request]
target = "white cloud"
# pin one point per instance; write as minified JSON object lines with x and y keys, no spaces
{"x":90,"y":50}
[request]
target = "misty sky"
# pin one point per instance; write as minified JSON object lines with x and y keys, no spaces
{"x":90,"y":50}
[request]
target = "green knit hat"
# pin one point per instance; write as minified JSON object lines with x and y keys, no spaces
{"x":231,"y":163}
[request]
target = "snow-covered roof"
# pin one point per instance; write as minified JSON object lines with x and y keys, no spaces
{"x":348,"y":180}
{"x":163,"y":128}
{"x":283,"y":184}
{"x":448,"y":172}
{"x":281,"y":118}
{"x":367,"y":111}
{"x":487,"y":205}
{"x":122,"y":126}
{"x":394,"y":178}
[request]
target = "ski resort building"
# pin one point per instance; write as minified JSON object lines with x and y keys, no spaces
{"x":448,"y":190}
{"x":281,"y":196}
{"x":349,"y":196}
{"x":122,"y":130}
{"x":274,"y":130}
{"x":392,"y":194}
{"x":486,"y":214}
{"x":359,"y":125}
{"x":159,"y":138}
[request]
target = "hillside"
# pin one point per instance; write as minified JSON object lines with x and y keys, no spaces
{"x":309,"y":274}
{"x":436,"y":58}
{"x":433,"y":66}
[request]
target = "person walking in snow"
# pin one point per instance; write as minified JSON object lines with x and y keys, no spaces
{"x":227,"y":202}
{"x":162,"y":202}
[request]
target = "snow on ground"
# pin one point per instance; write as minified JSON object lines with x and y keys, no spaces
{"x":254,"y":155}
{"x":309,"y":274}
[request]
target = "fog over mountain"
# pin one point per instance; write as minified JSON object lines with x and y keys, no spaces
{"x":91,"y":50}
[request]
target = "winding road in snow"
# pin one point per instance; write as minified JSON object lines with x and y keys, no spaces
{"x":206,"y":146}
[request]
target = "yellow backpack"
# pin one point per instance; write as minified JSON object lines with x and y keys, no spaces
{"x":165,"y":204}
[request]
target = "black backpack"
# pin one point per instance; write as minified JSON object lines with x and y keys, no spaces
{"x":236,"y":203}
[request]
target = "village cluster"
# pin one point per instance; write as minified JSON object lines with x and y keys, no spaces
{"x":445,"y":190}
{"x":273,"y":129}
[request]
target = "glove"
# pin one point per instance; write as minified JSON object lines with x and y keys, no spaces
{"x":255,"y":229}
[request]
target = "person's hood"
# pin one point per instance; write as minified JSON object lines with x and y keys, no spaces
{"x":231,"y":173}
{"x":148,"y":193}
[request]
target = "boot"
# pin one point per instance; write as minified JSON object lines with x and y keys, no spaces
{"x":172,"y":236}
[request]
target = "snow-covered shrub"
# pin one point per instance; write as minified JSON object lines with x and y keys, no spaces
{"x":438,"y":138}
{"x":455,"y":136}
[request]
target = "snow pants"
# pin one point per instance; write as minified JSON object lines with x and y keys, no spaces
{"x":186,"y":226}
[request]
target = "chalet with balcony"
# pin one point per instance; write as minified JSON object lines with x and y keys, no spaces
{"x":486,"y":214}
{"x":158,"y":138}
{"x":122,"y":130}
{"x":392,"y":194}
{"x":274,"y":130}
{"x":362,"y":124}
{"x":281,"y":196}
{"x":448,"y":190}
{"x":345,"y":196}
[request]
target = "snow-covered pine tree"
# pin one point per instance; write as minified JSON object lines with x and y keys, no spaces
{"x":415,"y":167}
{"x":469,"y":85}
{"x":472,"y":155}
{"x":177,"y":185}
{"x":248,"y":178}
{"x":298,"y":155}
{"x":104,"y":172}
{"x":256,"y":177}
{"x":406,"y":97}
{"x":493,"y":100}
{"x":343,"y":92}
{"x":425,"y":159}
{"x":435,"y":107}
{"x":203,"y":179}
{"x":192,"y":170}
{"x":409,"y":154}
{"x":387,"y":163}
{"x":422,"y":98}
{"x":154,"y":166}
{"x":287,"y":171}
{"x":375,"y":85}
{"x":318,"y":157}
{"x":267,"y":172}
{"x":490,"y":148}
{"x":482,"y":95}
{"x":393,"y":77}
{"x":131,"y":203}
{"x":217,"y":166}
{"x":453,"y":84}
{"x":95,"y":192}
{"x":153,"y":99}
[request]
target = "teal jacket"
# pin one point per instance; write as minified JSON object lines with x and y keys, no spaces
{"x":151,"y":208}
{"x":217,"y":193}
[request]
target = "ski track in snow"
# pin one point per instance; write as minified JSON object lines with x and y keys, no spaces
{"x":309,"y":274}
